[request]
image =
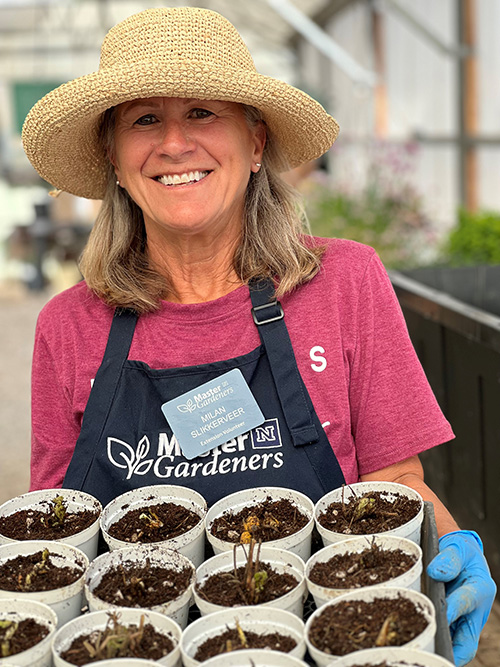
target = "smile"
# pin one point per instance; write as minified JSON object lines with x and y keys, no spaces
{"x":182,"y":179}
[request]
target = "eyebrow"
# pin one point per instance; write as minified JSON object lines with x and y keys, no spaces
{"x":152,"y":102}
{"x":133,"y":104}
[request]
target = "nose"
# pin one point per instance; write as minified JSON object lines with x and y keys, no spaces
{"x":175,"y":140}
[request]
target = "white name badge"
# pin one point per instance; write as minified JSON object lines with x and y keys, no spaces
{"x":212,"y":413}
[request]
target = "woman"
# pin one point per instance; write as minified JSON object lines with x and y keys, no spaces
{"x":196,"y":379}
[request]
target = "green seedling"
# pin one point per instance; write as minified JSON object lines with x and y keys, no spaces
{"x":10,"y":628}
{"x":57,"y":515}
{"x":38,"y":568}
{"x":115,"y":641}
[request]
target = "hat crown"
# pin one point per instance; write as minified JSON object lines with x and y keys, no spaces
{"x":180,"y":35}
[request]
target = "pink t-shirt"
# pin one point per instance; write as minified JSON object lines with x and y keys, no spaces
{"x":349,"y":338}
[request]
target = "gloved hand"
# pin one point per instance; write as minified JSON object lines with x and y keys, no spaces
{"x":470,"y":590}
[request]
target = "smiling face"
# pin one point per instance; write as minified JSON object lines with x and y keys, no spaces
{"x":186,"y":163}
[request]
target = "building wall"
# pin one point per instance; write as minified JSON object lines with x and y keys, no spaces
{"x":488,"y":20}
{"x":422,"y":97}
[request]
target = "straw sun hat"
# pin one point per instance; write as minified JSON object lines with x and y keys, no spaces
{"x":164,"y":52}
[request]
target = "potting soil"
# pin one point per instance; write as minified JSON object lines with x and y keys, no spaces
{"x":154,"y":523}
{"x":34,"y":524}
{"x":142,"y":585}
{"x":369,"y":567}
{"x":146,"y":643}
{"x":14,"y":640}
{"x":264,"y":521}
{"x":33,"y":572}
{"x":353,"y":625}
{"x":370,"y":513}
{"x":228,"y":588}
{"x":234,"y":640}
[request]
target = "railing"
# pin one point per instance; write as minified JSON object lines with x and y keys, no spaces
{"x":459,"y":347}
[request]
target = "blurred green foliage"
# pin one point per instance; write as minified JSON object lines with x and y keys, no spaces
{"x":474,"y":240}
{"x":391,"y":222}
{"x":386,"y":212}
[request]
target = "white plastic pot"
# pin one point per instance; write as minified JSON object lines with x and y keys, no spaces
{"x":280,"y":560}
{"x":299,"y":543}
{"x":77,"y":501}
{"x":176,"y":609}
{"x":258,"y":619}
{"x":410,"y":579}
{"x":97,"y":620}
{"x":394,"y":656}
{"x":254,"y":658}
{"x":423,"y":641}
{"x":18,"y":610}
{"x":410,"y":530}
{"x":67,"y":601}
{"x":125,"y":662}
{"x":191,"y":544}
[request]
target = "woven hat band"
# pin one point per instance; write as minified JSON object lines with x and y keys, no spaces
{"x":165,"y":52}
{"x":164,"y":36}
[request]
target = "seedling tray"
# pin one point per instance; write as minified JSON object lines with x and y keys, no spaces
{"x":435,"y":590}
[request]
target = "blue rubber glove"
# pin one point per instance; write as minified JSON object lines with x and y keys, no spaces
{"x":470,"y":590}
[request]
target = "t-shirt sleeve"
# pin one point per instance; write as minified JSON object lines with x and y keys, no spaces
{"x":394,"y":413}
{"x":53,"y":430}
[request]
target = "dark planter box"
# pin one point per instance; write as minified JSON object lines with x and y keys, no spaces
{"x":458,"y":343}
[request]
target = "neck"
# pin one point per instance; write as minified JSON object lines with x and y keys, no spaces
{"x":198,"y":268}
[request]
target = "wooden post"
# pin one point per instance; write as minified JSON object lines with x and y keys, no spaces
{"x":468,"y":115}
{"x":380,"y":91}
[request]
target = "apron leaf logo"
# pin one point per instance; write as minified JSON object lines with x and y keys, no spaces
{"x":189,"y":406}
{"x":122,"y":455}
{"x":142,"y":448}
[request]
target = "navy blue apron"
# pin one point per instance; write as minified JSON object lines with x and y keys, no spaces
{"x":126,"y":442}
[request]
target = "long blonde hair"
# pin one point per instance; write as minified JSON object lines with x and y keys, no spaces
{"x":115,"y":261}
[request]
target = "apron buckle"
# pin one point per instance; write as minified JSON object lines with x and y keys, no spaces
{"x":260,"y":318}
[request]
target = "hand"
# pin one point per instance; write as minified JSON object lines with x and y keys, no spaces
{"x":470,"y":590}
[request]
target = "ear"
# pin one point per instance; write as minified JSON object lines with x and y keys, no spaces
{"x":259,"y":141}
{"x":111,"y":157}
{"x":110,"y":154}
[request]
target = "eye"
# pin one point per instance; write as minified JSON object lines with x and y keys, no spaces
{"x":201,"y":113}
{"x":147,"y":119}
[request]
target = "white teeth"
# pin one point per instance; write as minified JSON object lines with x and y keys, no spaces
{"x":177,"y":179}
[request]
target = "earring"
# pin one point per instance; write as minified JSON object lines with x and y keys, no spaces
{"x":117,"y":182}
{"x":258,"y":164}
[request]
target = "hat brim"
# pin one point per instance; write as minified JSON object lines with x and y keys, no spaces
{"x":60,"y":134}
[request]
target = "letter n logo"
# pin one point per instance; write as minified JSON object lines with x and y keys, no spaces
{"x":267,"y":435}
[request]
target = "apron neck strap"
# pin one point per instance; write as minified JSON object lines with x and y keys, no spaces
{"x":121,"y":334}
{"x":268,"y":316}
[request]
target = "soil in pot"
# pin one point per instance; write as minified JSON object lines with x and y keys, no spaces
{"x":370,"y":513}
{"x":53,"y":524}
{"x":154,"y":523}
{"x":18,"y":636}
{"x":369,"y":567}
{"x":235,"y":639}
{"x":264,"y":521}
{"x":351,"y":626}
{"x":119,"y":641}
{"x":143,"y":585}
{"x":35,"y":572}
{"x":250,"y":584}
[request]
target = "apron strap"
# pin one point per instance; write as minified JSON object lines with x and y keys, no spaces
{"x":103,"y":393}
{"x":268,"y":316}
